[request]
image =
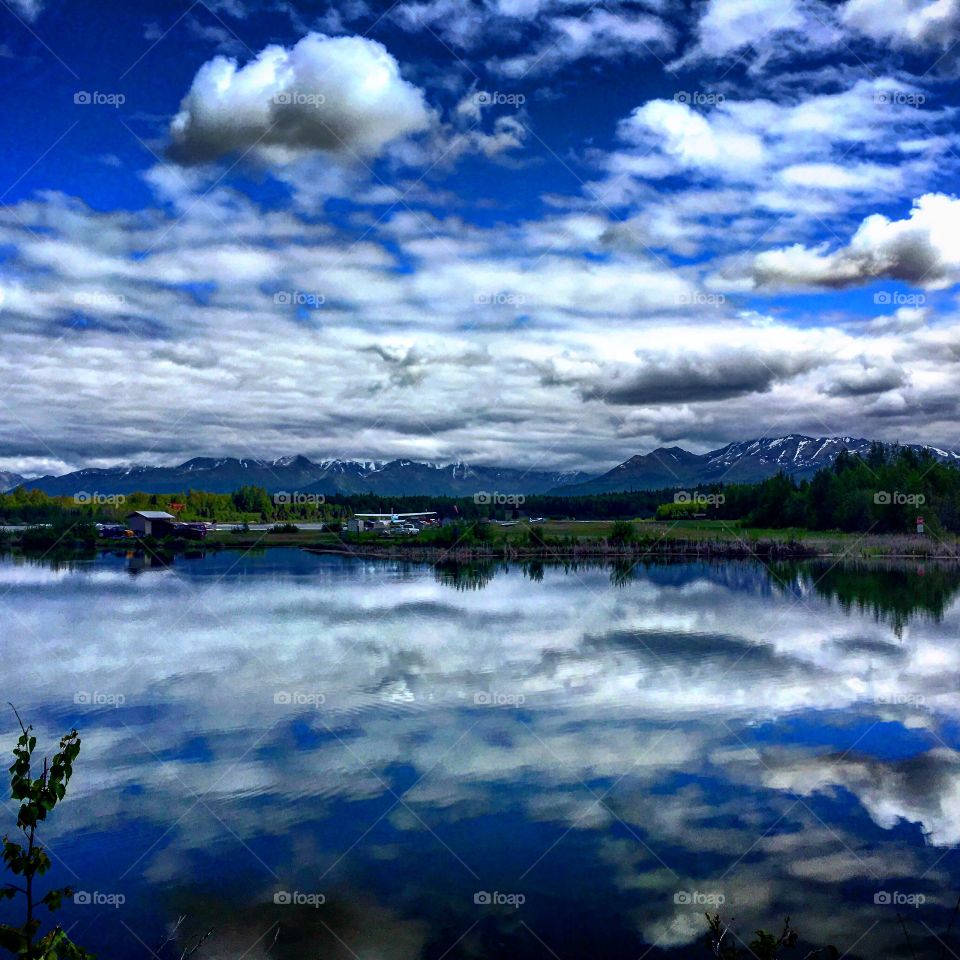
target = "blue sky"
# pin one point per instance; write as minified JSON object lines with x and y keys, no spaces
{"x":531,"y":232}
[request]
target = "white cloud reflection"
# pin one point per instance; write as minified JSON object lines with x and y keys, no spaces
{"x":622,"y":691}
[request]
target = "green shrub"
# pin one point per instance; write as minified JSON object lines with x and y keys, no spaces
{"x":65,"y":532}
{"x":37,"y":796}
{"x":621,"y":532}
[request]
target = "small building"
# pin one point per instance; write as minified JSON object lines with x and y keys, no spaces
{"x":147,"y":523}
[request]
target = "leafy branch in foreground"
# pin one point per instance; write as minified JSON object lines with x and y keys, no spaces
{"x":37,"y":797}
{"x":724,"y":944}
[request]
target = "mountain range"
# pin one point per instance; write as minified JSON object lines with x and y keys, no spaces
{"x":10,"y":480}
{"x":301,"y":475}
{"x":747,"y":461}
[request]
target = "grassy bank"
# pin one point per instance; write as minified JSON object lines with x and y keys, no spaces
{"x":523,"y":541}
{"x":602,"y":538}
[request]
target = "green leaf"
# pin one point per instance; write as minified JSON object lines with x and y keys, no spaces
{"x":53,"y":899}
{"x":56,"y":945}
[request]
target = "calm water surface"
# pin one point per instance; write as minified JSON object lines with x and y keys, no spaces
{"x":495,"y":761}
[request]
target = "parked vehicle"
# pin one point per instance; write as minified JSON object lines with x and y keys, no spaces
{"x":112,"y":531}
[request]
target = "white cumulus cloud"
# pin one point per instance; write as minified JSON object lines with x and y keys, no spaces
{"x":905,"y":23}
{"x":923,"y":249}
{"x":343,"y":95}
{"x":688,"y":140}
{"x":771,"y":29}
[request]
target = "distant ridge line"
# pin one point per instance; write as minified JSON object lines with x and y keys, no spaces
{"x":797,"y":455}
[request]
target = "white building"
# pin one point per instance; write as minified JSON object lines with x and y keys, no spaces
{"x":141,"y":521}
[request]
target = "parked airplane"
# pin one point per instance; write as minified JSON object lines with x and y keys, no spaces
{"x":396,"y":522}
{"x":395,"y":517}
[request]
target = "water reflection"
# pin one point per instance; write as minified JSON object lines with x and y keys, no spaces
{"x":296,"y":724}
{"x":474,"y":575}
{"x":621,"y":572}
{"x":892,"y":593}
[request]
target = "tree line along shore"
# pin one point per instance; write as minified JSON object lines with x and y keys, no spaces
{"x":859,"y":504}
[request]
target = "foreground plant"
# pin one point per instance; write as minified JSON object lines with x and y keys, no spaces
{"x":38,"y":796}
{"x":724,"y":944}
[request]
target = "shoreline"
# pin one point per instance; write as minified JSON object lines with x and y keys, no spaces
{"x":550,"y":542}
{"x":439,"y":555}
{"x":510,"y":554}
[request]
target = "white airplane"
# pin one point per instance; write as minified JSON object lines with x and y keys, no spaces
{"x":395,"y":517}
{"x":398,"y":522}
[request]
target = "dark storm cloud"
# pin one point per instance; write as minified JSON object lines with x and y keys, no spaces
{"x":695,"y":379}
{"x":864,"y":383}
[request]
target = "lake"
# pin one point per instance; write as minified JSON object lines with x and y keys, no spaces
{"x":324,"y":756}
